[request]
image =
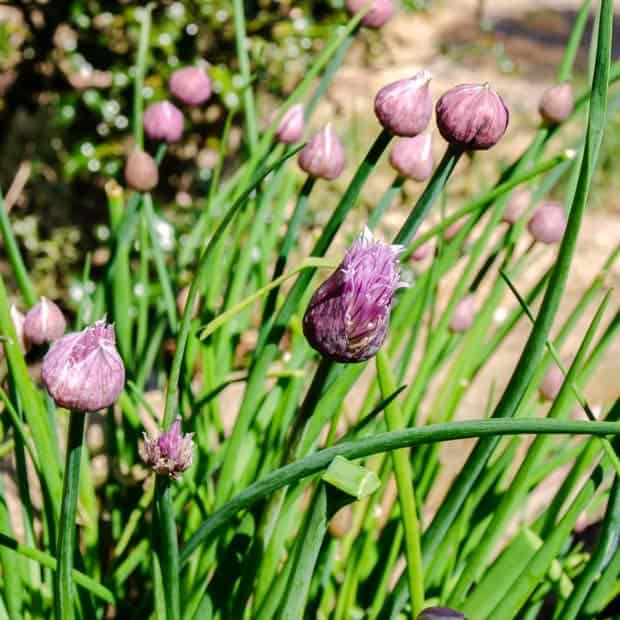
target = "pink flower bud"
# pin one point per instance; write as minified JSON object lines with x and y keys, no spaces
{"x":190,"y":85}
{"x":472,"y":117}
{"x":453,"y":229}
{"x":348,"y":315}
{"x":163,"y":122}
{"x":413,"y":158}
{"x":18,"y":323}
{"x":169,"y":454}
{"x":552,"y":382}
{"x":323,"y":156}
{"x":83,"y":370}
{"x":380,"y":11}
{"x":464,"y":315}
{"x":141,"y":171}
{"x":291,"y":127}
{"x":548,"y":223}
{"x":405,"y":107}
{"x":422,"y":252}
{"x":556,"y":103}
{"x":517,"y":205}
{"x":44,"y":322}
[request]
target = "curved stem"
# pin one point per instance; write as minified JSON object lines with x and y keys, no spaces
{"x":63,"y":578}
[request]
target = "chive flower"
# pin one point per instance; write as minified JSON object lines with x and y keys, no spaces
{"x":556,"y":103}
{"x":291,"y":126}
{"x":347,"y":317}
{"x":548,"y":223}
{"x":323,"y":156}
{"x":141,"y":171}
{"x":83,"y":370}
{"x":190,"y":85}
{"x":44,"y":322}
{"x":471,"y":117}
{"x":170,"y":453}
{"x":380,"y":12}
{"x":163,"y":122}
{"x":404,"y":108}
{"x":412,"y":158}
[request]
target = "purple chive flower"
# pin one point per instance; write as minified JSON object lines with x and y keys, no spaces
{"x":552,"y":382}
{"x":347,"y":317}
{"x":141,"y":171}
{"x":44,"y":322}
{"x":548,"y":223}
{"x":190,"y":85}
{"x":169,"y":454}
{"x":291,"y":127}
{"x":323,"y":156}
{"x":517,"y":206}
{"x":413,"y":158}
{"x":471,"y":117}
{"x":440,"y":613}
{"x":379,"y":13}
{"x":405,"y":107}
{"x":556,"y":103}
{"x":83,"y":370}
{"x":464,"y":315}
{"x":163,"y":122}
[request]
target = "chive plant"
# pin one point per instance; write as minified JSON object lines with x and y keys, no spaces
{"x":289,"y":398}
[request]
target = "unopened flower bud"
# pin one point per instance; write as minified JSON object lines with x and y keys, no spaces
{"x":413,"y":158}
{"x":163,"y":121}
{"x":556,"y":103}
{"x":19,"y":319}
{"x":141,"y":171}
{"x":552,"y":382}
{"x":347,"y":317}
{"x":190,"y":85}
{"x":405,"y":107}
{"x":440,"y":613}
{"x":44,"y":322}
{"x":340,"y":524}
{"x":379,"y":13}
{"x":517,"y":205}
{"x":548,"y":223}
{"x":291,"y":127}
{"x":464,"y":315}
{"x":83,"y":370}
{"x":472,"y":117}
{"x":169,"y":454}
{"x":323,"y":156}
{"x":452,"y":230}
{"x":423,"y":251}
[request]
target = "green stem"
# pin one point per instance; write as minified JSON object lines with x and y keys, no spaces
{"x":138,"y":100}
{"x":63,"y":578}
{"x":386,"y":200}
{"x":384,"y":442}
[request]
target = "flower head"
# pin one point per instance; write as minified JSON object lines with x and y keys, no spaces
{"x":83,"y":370}
{"x":169,"y":454}
{"x":379,"y":13}
{"x":556,"y":103}
{"x":405,"y":107}
{"x":347,"y":317}
{"x":190,"y":85}
{"x":141,"y":171}
{"x":44,"y":322}
{"x":323,"y":156}
{"x":548,"y":223}
{"x":163,"y":122}
{"x":471,"y":116}
{"x":464,"y":315}
{"x":413,"y":158}
{"x":291,"y":127}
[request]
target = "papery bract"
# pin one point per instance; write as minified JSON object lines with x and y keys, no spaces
{"x":163,"y":121}
{"x":323,"y":156}
{"x":471,"y":117}
{"x":405,"y":107}
{"x":291,"y":127}
{"x":190,"y":85}
{"x":83,"y":370}
{"x":170,"y":453}
{"x":44,"y":322}
{"x":347,"y":317}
